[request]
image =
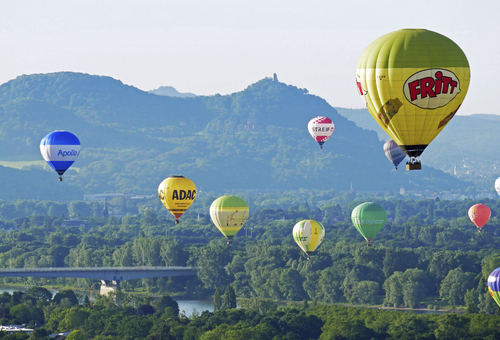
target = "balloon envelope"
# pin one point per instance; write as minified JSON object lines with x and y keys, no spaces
{"x":369,"y":218}
{"x":494,"y":285}
{"x":413,"y":82}
{"x":229,"y":214}
{"x":177,"y":193}
{"x":394,"y":153}
{"x":308,"y":234}
{"x":497,"y":185}
{"x":60,"y":149}
{"x":479,"y":214}
{"x":321,"y":128}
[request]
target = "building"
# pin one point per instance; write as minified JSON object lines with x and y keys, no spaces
{"x":15,"y":328}
{"x":74,"y":222}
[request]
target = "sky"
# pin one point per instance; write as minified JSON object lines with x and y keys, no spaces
{"x":223,"y":46}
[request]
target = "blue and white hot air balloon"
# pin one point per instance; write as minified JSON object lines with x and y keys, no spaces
{"x":393,"y":152}
{"x":60,"y":149}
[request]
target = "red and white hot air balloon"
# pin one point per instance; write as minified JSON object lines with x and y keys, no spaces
{"x":321,"y":128}
{"x":479,"y":214}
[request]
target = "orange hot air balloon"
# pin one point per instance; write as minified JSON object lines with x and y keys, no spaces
{"x":479,"y":214}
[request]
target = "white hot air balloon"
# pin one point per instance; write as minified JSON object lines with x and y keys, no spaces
{"x":320,"y":128}
{"x":497,"y":185}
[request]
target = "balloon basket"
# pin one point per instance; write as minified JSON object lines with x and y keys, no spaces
{"x":176,"y":221}
{"x":60,"y":179}
{"x":414,"y":166}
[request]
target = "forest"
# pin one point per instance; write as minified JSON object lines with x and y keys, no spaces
{"x":429,"y":254}
{"x":255,"y":139}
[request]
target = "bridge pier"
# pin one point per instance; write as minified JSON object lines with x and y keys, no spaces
{"x":107,"y":288}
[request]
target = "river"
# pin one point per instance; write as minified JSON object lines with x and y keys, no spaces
{"x":197,"y":306}
{"x":188,"y":306}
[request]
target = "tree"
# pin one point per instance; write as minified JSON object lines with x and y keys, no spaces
{"x":229,"y":299}
{"x":290,"y":284}
{"x":393,"y":287}
{"x":76,"y":335}
{"x":73,"y":319}
{"x":217,"y":300}
{"x":455,"y":285}
{"x":451,"y":327}
{"x":38,"y":293}
{"x":145,"y":310}
{"x":414,"y":283}
{"x":409,"y":326}
{"x":25,"y":313}
{"x":210,"y":262}
{"x":79,"y":208}
{"x":164,"y":302}
{"x":66,"y":294}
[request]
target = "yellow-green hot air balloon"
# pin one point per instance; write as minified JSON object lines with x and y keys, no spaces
{"x":308,"y":234}
{"x":177,"y":193}
{"x":369,"y":218}
{"x":413,"y":82}
{"x":229,"y":214}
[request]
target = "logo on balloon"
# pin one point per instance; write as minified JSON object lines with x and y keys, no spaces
{"x":73,"y":153}
{"x":473,"y":216}
{"x":361,"y":222}
{"x":183,"y":195}
{"x":432,"y":88}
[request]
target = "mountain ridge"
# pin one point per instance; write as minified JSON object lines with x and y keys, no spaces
{"x":254,"y":138}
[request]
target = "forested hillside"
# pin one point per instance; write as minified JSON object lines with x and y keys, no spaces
{"x":253,"y":139}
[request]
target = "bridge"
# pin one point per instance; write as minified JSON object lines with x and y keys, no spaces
{"x":114,"y":274}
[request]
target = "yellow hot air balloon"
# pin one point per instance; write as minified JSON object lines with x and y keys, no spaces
{"x":229,"y":214}
{"x":413,"y":82}
{"x":177,"y":193}
{"x":308,"y":234}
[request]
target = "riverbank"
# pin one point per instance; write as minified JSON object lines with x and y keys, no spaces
{"x":422,"y":310}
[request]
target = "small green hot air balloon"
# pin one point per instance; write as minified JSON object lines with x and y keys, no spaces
{"x":229,"y":214}
{"x":369,"y":218}
{"x":308,"y":234}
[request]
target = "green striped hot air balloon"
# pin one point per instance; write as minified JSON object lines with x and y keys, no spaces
{"x":308,"y":234}
{"x":229,"y":214}
{"x":369,"y":218}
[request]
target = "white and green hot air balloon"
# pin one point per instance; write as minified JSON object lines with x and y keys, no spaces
{"x":308,"y":234}
{"x":229,"y":214}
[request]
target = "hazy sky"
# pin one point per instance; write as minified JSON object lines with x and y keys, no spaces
{"x":222,"y":46}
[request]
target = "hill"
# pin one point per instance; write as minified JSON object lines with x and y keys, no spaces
{"x":466,"y":148}
{"x":253,"y":139}
{"x":171,"y":92}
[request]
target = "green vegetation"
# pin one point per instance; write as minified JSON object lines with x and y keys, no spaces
{"x":131,"y":140}
{"x":427,"y":250}
{"x":252,"y":144}
{"x":429,"y":255}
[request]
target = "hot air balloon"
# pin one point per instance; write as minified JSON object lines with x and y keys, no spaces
{"x":494,"y":285}
{"x":229,"y":214}
{"x":394,"y":153}
{"x":60,"y":149}
{"x":413,"y":82}
{"x":320,"y":128}
{"x":308,"y":234}
{"x":479,"y":214}
{"x":177,"y":193}
{"x":497,"y":185}
{"x":369,"y":218}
